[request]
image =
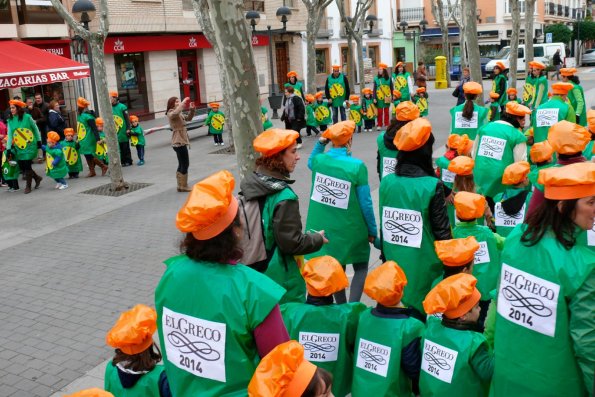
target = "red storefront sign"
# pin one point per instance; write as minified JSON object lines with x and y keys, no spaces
{"x":124,"y":44}
{"x":56,"y":47}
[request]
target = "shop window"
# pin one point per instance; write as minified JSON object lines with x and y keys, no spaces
{"x":132,"y":81}
{"x":322,"y":65}
{"x":5,"y":15}
{"x":374,"y":54}
{"x":37,"y":12}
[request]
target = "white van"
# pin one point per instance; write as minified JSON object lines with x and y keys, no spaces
{"x":541,"y":52}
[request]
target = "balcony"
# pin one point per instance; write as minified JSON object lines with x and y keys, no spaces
{"x":410,"y":15}
{"x":377,"y":30}
{"x":446,"y":12}
{"x":35,"y":12}
{"x":326,"y":28}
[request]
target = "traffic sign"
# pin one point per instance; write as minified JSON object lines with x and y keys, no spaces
{"x":549,"y":37}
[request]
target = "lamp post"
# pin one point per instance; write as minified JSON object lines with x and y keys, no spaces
{"x":370,"y":20}
{"x":84,"y":12}
{"x":422,"y":27}
{"x":283,"y":14}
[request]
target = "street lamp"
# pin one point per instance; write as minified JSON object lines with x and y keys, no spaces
{"x":422,"y":27}
{"x":283,"y":14}
{"x":370,"y":20}
{"x":84,"y":12}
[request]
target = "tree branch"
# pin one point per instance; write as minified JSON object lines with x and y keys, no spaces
{"x":69,"y":19}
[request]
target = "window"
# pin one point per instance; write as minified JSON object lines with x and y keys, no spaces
{"x":37,"y":12}
{"x":187,"y":5}
{"x":507,"y":8}
{"x":538,"y":52}
{"x":373,"y":54}
{"x":254,"y":5}
{"x":322,"y":65}
{"x":521,"y":53}
{"x":288,"y":3}
{"x":5,"y":15}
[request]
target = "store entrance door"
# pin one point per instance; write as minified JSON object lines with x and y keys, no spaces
{"x":282,"y":57}
{"x":188,"y":75}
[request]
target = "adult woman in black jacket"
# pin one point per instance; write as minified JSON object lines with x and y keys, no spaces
{"x":55,"y":120}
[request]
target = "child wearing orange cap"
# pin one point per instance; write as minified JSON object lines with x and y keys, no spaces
{"x":134,"y":370}
{"x":469,"y":117}
{"x":448,"y":177}
{"x":469,"y":208}
{"x":534,"y":94}
{"x":456,"y":360}
{"x":284,"y":372}
{"x":383,"y":87}
{"x":56,"y":167}
{"x":101,"y":145}
{"x":215,"y":121}
{"x":396,"y":101}
{"x":557,"y":108}
{"x":10,"y":169}
{"x":500,"y":83}
{"x":311,"y":123}
{"x":137,"y":139}
{"x":541,"y":155}
{"x":369,"y":109}
{"x":387,"y":354}
{"x":494,"y":108}
{"x":421,"y":101}
{"x":589,"y":151}
{"x":355,"y":112}
{"x":576,"y":95}
{"x":511,"y":95}
{"x":511,"y":205}
{"x":322,"y":111}
{"x":402,"y":81}
{"x":71,"y":154}
{"x":326,"y":330}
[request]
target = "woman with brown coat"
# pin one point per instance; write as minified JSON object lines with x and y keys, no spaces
{"x":179,"y":139}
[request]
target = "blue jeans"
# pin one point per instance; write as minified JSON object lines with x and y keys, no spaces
{"x":61,"y":181}
{"x":336,"y":114}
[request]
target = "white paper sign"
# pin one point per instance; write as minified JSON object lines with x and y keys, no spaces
{"x":482,"y":255}
{"x":591,"y":237}
{"x":331,"y":191}
{"x":438,"y":361}
{"x":194,"y":345}
{"x":505,"y":220}
{"x":546,"y":117}
{"x":373,"y":357}
{"x":447,"y":176}
{"x":320,"y":347}
{"x":388,"y":166}
{"x":461,"y":122}
{"x":528,"y":300}
{"x":491,"y":147}
{"x":402,"y":227}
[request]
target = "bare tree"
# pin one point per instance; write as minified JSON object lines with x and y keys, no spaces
{"x":438,"y":13}
{"x":96,"y":42}
{"x":529,"y":12}
{"x":356,"y":29}
{"x":227,"y":31}
{"x":471,"y":42}
{"x":345,"y":20}
{"x":514,"y":42}
{"x":315,"y":10}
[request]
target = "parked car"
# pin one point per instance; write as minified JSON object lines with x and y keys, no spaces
{"x":455,"y":69}
{"x":589,"y":57}
{"x":541,"y":52}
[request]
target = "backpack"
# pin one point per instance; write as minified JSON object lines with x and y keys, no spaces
{"x":253,"y":245}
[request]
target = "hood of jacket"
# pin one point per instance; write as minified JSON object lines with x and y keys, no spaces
{"x":263,"y":182}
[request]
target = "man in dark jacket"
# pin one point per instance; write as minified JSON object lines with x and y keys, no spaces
{"x":294,"y":112}
{"x":557,"y":61}
{"x":44,"y":108}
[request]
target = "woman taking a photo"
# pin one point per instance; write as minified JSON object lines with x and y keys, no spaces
{"x":179,"y":137}
{"x":216,"y":317}
{"x":270,"y":185}
{"x":24,"y":135}
{"x":547,"y":293}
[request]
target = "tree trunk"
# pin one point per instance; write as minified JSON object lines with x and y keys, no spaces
{"x":231,"y":37}
{"x":360,"y":62}
{"x":469,"y":20}
{"x":311,"y":32}
{"x":529,"y":11}
{"x":443,"y":23}
{"x":350,"y":65}
{"x":514,"y":42}
{"x":462,"y":38}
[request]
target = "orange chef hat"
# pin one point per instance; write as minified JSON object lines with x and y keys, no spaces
{"x":453,"y":141}
{"x":340,"y":133}
{"x":454,"y":296}
{"x":310,"y":98}
{"x":53,"y":137}
{"x":472,"y":88}
{"x":469,"y":206}
{"x":465,"y":145}
{"x":367,"y":90}
{"x":456,"y":252}
{"x":336,"y":67}
{"x":385,"y":284}
{"x":214,"y":105}
{"x":517,"y":109}
{"x":413,"y":135}
{"x":319,"y":94}
{"x":461,"y":165}
{"x":274,"y":140}
{"x":420,"y":90}
{"x":210,"y":207}
{"x":572,"y":181}
{"x":399,"y":64}
{"x":133,"y":118}
{"x":94,"y":392}
{"x":354,"y":98}
{"x":82,"y":102}
{"x":113,"y":94}
{"x":133,"y":332}
{"x":591,"y":120}
{"x":494,"y":95}
{"x":397,"y":94}
{"x":511,"y":90}
{"x":561,"y":88}
{"x":284,"y":372}
{"x":537,"y":65}
{"x":516,"y":173}
{"x":18,"y":103}
{"x":99,"y":121}
{"x":500,"y":66}
{"x":324,"y":276}
{"x":292,"y":73}
{"x":407,"y":111}
{"x":568,"y":71}
{"x":568,"y":138}
{"x":69,"y":131}
{"x":382,"y":65}
{"x":541,"y":151}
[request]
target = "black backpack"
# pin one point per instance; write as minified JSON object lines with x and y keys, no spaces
{"x":253,"y":245}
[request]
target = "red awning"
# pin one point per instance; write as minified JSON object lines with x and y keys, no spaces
{"x":22,"y":66}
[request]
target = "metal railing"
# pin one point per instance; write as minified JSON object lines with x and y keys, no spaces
{"x":326,"y":27}
{"x":446,"y":12}
{"x":411,"y":15}
{"x":378,"y":29}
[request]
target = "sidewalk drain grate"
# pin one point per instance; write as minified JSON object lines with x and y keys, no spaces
{"x":225,"y":150}
{"x":105,"y":190}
